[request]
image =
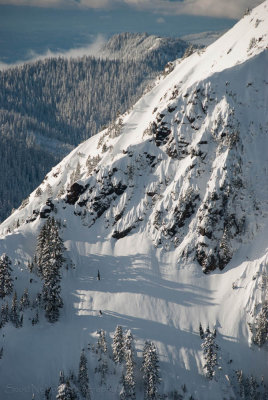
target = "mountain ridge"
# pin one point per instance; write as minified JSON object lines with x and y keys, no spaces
{"x":145,"y":202}
{"x":37,"y":106}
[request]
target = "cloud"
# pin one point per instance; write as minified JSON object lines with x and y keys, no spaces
{"x":89,"y":50}
{"x":214,"y":8}
{"x":160,"y":20}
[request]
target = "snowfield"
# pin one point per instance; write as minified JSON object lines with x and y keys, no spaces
{"x":169,"y":204}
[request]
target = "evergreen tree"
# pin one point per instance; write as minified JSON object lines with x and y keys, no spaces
{"x":6,"y":281}
{"x":61,"y":378}
{"x":150,"y":369}
{"x":102,"y":344}
{"x":253,"y":388}
{"x":24,"y":301}
{"x":48,"y":394}
{"x":83,"y":380}
{"x":118,"y":345}
{"x":38,"y":192}
{"x":210,"y":349}
{"x":201,"y":331}
{"x":14,"y":316}
{"x":129,"y":379}
{"x":50,"y":256}
{"x":260,"y":327}
{"x":240,"y":379}
{"x":77,"y":174}
{"x":4,"y":314}
{"x":35,"y":319}
{"x":66,"y":392}
{"x":42,"y":240}
{"x":123,"y":395}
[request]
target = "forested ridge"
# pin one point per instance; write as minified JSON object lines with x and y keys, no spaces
{"x":65,"y":101}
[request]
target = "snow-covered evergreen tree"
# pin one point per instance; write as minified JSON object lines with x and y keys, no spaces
{"x":35,"y":319}
{"x":66,"y":392}
{"x":102,"y":344}
{"x":42,"y":239}
{"x":201,"y":331}
{"x":50,"y":256}
{"x":83,"y":381}
{"x":48,"y":394}
{"x":24,"y":301}
{"x":14,"y":316}
{"x":129,"y":378}
{"x":210,"y":349}
{"x":6,"y":281}
{"x":122,"y":394}
{"x":118,"y":345}
{"x":150,"y":369}
{"x":61,"y":378}
{"x":4,"y":314}
{"x":260,"y":327}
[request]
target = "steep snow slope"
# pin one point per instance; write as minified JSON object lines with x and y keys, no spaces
{"x":176,"y":188}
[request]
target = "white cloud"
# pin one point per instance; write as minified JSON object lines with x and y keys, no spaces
{"x":91,"y":49}
{"x":160,"y":20}
{"x":215,"y":8}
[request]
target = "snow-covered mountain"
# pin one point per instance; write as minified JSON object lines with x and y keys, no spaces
{"x":43,"y":116}
{"x":125,"y":46}
{"x":169,"y":204}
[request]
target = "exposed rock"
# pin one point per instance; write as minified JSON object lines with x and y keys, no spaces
{"x":74,"y":192}
{"x":119,"y":235}
{"x":46,"y":209}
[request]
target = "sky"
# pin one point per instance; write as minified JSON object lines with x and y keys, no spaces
{"x":30,"y":28}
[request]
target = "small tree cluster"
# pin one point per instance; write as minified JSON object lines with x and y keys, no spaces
{"x":249,"y":388}
{"x":4,"y":314}
{"x":11,"y":314}
{"x":66,"y":387}
{"x":210,"y":349}
{"x":14,"y":314}
{"x":66,"y":392}
{"x":76,"y":174}
{"x":6,"y":281}
{"x":122,"y":347}
{"x":259,"y":327}
{"x":115,"y":127}
{"x":24,"y":301}
{"x":92,"y":162}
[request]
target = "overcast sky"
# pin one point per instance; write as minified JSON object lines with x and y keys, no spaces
{"x":215,"y":8}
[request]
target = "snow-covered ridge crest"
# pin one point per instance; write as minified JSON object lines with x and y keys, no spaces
{"x":174,"y":187}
